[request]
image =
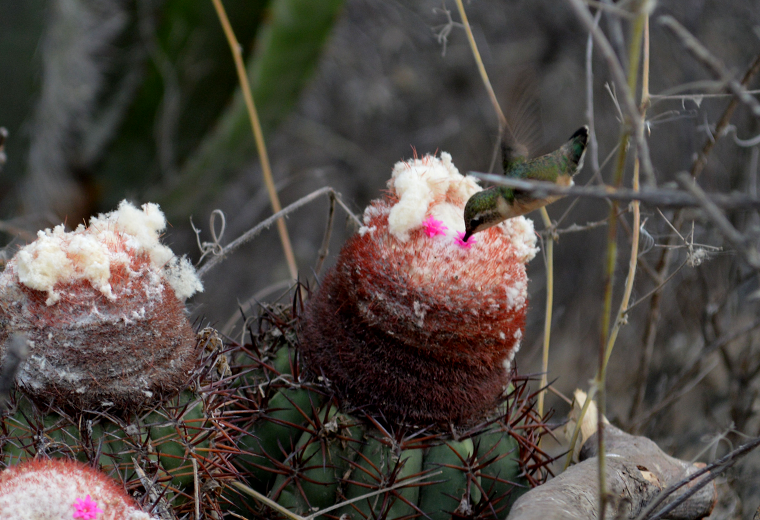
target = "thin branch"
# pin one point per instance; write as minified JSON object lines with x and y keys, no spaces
{"x":659,"y":287}
{"x":593,"y":144}
{"x":253,"y":232}
{"x":712,"y":63}
{"x":746,"y":249}
{"x":616,"y":69}
{"x":673,"y":396}
{"x":721,"y":465}
{"x":575,"y":228}
{"x":702,"y":95}
{"x":325,"y":248}
{"x":663,"y":197}
{"x":722,"y":124}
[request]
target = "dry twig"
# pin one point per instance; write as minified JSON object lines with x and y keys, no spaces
{"x":662,"y":197}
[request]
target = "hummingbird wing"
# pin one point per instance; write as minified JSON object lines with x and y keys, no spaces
{"x":524,"y":132}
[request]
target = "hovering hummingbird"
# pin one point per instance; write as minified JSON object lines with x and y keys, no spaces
{"x":498,"y":203}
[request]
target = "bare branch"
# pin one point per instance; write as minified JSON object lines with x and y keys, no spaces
{"x":630,"y":109}
{"x":712,"y":63}
{"x":713,"y":212}
{"x":719,"y":465}
{"x":663,"y":197}
{"x":253,"y":232}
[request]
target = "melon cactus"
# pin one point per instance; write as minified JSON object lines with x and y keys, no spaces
{"x":391,"y":393}
{"x":115,"y":375}
{"x":63,"y":490}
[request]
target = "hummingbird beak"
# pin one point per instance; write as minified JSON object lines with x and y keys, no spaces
{"x":466,"y":236}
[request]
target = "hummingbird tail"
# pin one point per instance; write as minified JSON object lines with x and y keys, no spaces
{"x":576,"y":147}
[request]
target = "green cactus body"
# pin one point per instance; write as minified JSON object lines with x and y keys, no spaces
{"x":458,"y":487}
{"x":324,"y":471}
{"x":374,"y":466}
{"x":271,"y":439}
{"x":159,"y":435}
{"x":341,"y":457}
{"x":175,"y":440}
{"x":306,"y":451}
{"x":319,"y":463}
{"x":501,"y":476}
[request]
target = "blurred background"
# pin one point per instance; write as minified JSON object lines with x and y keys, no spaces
{"x":138,"y":99}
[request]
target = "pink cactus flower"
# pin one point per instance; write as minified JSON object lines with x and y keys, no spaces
{"x":86,"y":508}
{"x":433,"y":227}
{"x":460,"y":240}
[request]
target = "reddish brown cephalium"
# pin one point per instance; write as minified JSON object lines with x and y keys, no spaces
{"x":422,"y":330}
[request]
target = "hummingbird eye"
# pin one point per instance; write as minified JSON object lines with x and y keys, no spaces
{"x":474,"y":223}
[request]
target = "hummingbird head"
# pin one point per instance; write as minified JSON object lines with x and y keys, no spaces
{"x":481,"y":212}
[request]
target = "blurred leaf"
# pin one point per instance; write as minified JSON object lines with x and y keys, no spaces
{"x":187,"y":83}
{"x":285,"y":56}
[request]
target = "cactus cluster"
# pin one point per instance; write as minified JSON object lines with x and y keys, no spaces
{"x":160,"y":451}
{"x":389,"y":394}
{"x":115,"y":377}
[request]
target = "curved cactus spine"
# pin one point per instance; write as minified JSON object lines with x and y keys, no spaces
{"x":458,"y":489}
{"x":320,"y":459}
{"x":377,"y":465}
{"x":162,"y":449}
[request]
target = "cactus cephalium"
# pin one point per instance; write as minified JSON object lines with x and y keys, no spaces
{"x":115,"y":376}
{"x":110,"y":291}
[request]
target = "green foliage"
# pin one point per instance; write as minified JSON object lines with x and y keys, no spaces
{"x":171,"y":117}
{"x":285,"y":55}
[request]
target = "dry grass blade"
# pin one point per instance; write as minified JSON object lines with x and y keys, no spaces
{"x":266,"y":169}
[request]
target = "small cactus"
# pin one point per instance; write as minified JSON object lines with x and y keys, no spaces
{"x":101,"y":309}
{"x":63,"y":490}
{"x":116,"y":377}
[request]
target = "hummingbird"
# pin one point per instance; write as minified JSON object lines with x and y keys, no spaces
{"x":498,"y":203}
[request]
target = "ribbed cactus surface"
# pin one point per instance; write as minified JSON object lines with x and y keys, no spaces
{"x":303,"y":450}
{"x":160,"y":450}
